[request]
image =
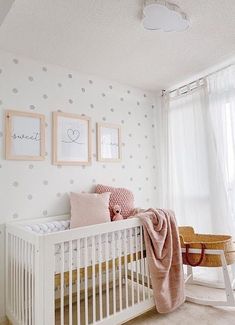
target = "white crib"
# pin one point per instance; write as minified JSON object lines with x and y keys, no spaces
{"x":90,"y":275}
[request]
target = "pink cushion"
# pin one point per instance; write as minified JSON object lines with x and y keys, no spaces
{"x":89,"y":209}
{"x":120,"y":196}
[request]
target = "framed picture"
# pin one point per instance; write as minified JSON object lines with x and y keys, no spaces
{"x":109,"y":142}
{"x":25,"y":136}
{"x":71,"y":139}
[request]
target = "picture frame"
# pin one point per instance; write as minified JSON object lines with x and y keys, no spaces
{"x":24,"y":136}
{"x":71,"y":139}
{"x":108,"y":142}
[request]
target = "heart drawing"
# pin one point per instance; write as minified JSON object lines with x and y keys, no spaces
{"x":73,"y":135}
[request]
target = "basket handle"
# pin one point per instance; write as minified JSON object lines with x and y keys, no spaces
{"x":201,"y":257}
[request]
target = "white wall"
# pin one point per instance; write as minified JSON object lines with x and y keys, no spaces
{"x":36,"y":189}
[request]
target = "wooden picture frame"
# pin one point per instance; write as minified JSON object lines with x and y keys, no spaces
{"x":71,"y":142}
{"x":108,"y":142}
{"x":25,"y":136}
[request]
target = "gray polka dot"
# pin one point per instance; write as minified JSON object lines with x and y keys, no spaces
{"x":83,"y":90}
{"x":145,"y":115}
{"x":44,"y":212}
{"x":121,"y":99}
{"x":83,"y":167}
{"x":153,"y":106}
{"x":147,"y":178}
{"x":94,"y":180}
{"x":1,"y":134}
{"x":139,"y":145}
{"x":59,"y":85}
{"x":31,"y":166}
{"x":130,"y":156}
{"x":139,"y":188}
{"x":15,"y":61}
{"x":130,"y":135}
{"x":91,"y":106}
{"x":153,"y":126}
{"x":146,"y":157}
{"x":44,"y":69}
{"x":154,"y":147}
{"x":46,"y":125}
{"x":30,"y":78}
{"x":83,"y":114}
{"x":93,"y":130}
{"x":112,"y":109}
{"x":0,"y":166}
{"x":46,"y":153}
{"x":154,"y":167}
{"x":104,"y":166}
{"x":15,"y":215}
{"x":123,"y":166}
{"x":155,"y":187}
{"x":90,"y":82}
{"x":104,"y":118}
{"x":131,"y":179}
{"x":32,"y":107}
{"x":58,"y":194}
{"x":129,"y":113}
{"x":0,"y":102}
{"x":123,"y":144}
{"x":45,"y":96}
{"x":70,"y":101}
{"x":15,"y":90}
{"x":59,"y":166}
{"x":0,"y":71}
{"x":147,"y":200}
{"x":113,"y":180}
{"x":45,"y":182}
{"x":15,"y":184}
{"x":29,"y":197}
{"x":103,"y":95}
{"x":138,"y":103}
{"x":139,"y":124}
{"x":122,"y":121}
{"x":139,"y":167}
{"x":70,"y":75}
{"x":59,"y":110}
{"x":110,"y":87}
{"x":128,"y":91}
{"x":71,"y":181}
{"x":145,"y":95}
{"x":146,"y":137}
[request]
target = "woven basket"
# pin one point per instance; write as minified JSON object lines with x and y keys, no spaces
{"x":189,"y":239}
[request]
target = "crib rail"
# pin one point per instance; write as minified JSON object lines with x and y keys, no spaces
{"x":90,"y":275}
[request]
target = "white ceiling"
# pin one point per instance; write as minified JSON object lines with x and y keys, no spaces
{"x":106,"y":38}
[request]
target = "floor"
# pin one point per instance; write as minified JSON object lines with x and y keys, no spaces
{"x":188,"y":313}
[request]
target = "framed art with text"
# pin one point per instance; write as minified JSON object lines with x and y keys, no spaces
{"x":108,"y":142}
{"x":25,"y":136}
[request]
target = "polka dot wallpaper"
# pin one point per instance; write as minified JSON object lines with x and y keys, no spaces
{"x":37,"y":189}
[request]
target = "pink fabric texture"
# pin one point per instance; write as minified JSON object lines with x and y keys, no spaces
{"x":164,"y":258}
{"x":120,"y":196}
{"x":89,"y":209}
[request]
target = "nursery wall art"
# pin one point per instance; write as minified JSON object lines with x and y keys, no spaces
{"x":71,"y":139}
{"x":25,"y":136}
{"x":108,"y":142}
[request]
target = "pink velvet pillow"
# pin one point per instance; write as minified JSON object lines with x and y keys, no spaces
{"x":120,"y":196}
{"x":89,"y":209}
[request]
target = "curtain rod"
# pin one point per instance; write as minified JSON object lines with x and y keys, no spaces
{"x":164,"y":92}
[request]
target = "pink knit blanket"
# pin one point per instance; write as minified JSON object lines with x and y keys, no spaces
{"x":164,"y":258}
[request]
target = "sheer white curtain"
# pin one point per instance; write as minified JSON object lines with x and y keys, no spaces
{"x":197,"y":141}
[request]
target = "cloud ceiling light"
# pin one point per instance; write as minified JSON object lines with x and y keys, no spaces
{"x":165,"y":16}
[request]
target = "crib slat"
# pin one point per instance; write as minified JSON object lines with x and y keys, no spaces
{"x":131,"y":262}
{"x":125,"y":262}
{"x":107,"y":272}
{"x":22,"y":281}
{"x":120,"y":268}
{"x":113,"y":269}
{"x":137,"y":264}
{"x":93,"y":279}
{"x":100,"y":280}
{"x":62,"y":284}
{"x":86,"y":288}
{"x":12,"y":274}
{"x":29,"y":283}
{"x":78,"y":283}
{"x":18,"y":280}
{"x":26,"y":281}
{"x":148,"y":279}
{"x":142,"y":260}
{"x":70,"y":283}
{"x":33,"y":283}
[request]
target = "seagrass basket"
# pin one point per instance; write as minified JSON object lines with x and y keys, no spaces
{"x":189,"y":239}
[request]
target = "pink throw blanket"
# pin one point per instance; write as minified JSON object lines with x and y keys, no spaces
{"x":164,"y":258}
